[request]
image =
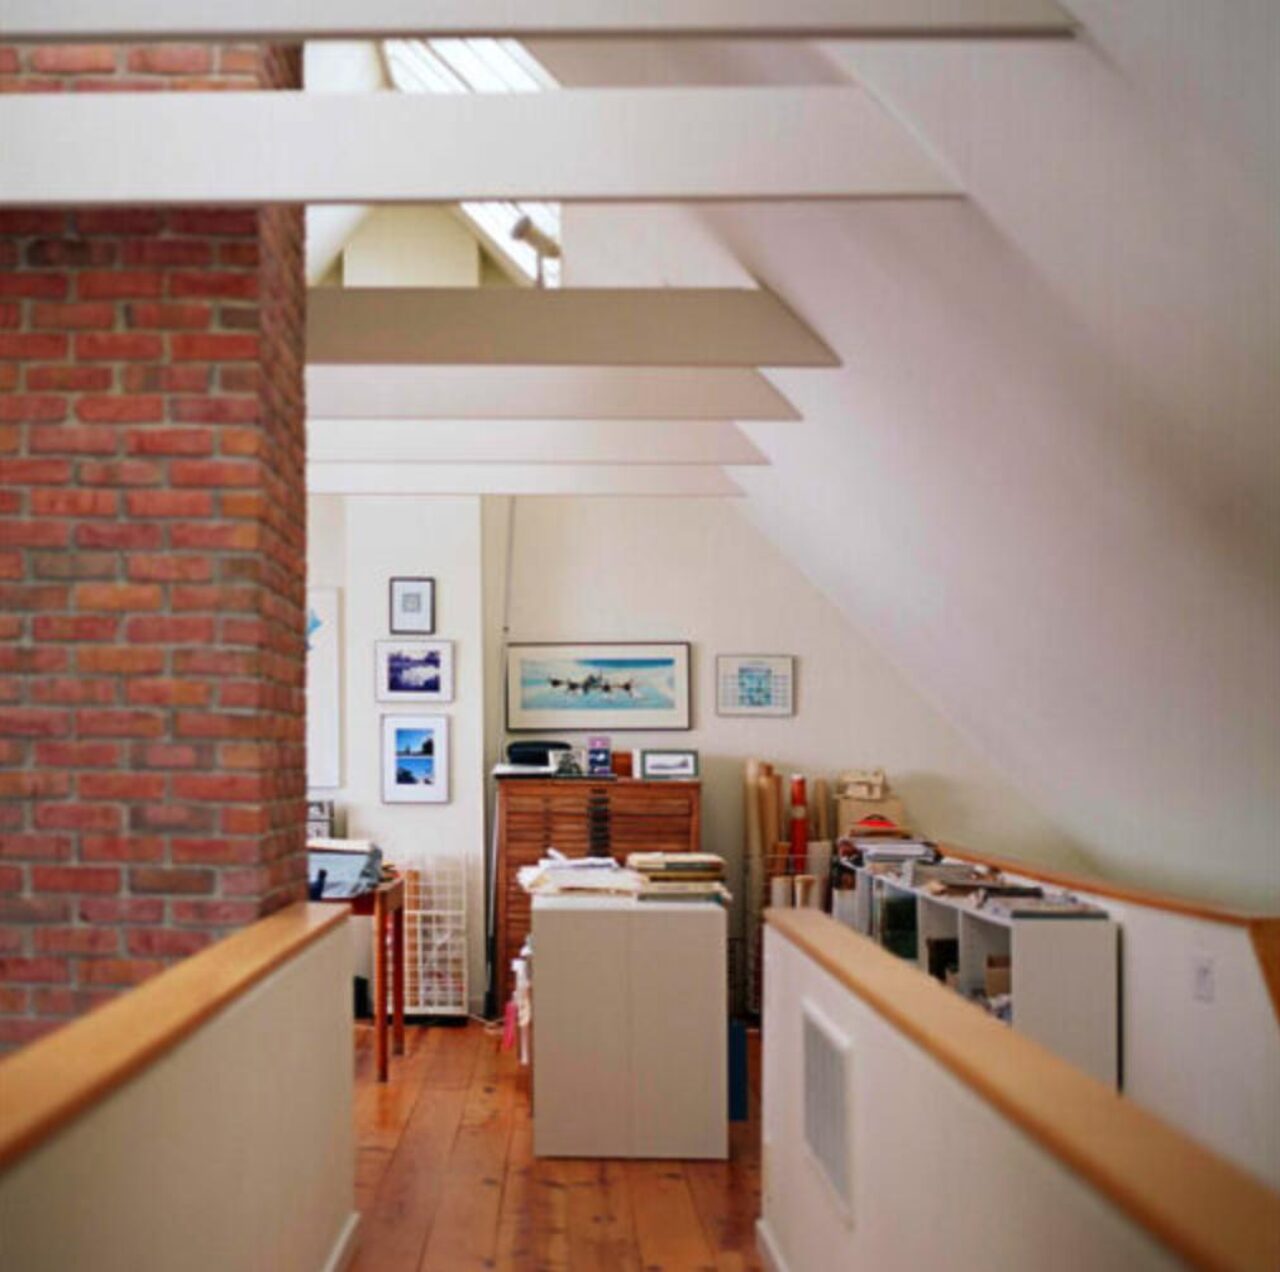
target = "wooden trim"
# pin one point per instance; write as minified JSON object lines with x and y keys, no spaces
{"x":1265,"y":935}
{"x":49,"y":1083}
{"x":1117,"y":891}
{"x":1200,"y":1206}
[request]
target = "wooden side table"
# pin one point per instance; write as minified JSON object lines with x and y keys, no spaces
{"x":385,"y":904}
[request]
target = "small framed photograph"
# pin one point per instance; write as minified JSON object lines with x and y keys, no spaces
{"x":415,"y":759}
{"x":413,"y":607}
{"x":755,"y":685}
{"x":657,"y":765}
{"x":413,"y":670}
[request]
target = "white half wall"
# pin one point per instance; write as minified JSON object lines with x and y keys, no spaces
{"x":358,"y":543}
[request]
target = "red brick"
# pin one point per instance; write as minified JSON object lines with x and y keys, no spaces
{"x":35,"y":472}
{"x":122,"y":786}
{"x":169,"y":569}
{"x":166,"y":252}
{"x":120,"y":284}
{"x":169,"y":693}
{"x":240,"y":379}
{"x":35,"y":286}
{"x":30,"y":847}
{"x":31,"y":407}
{"x":36,"y":534}
{"x":96,"y":879}
{"x":68,"y":1002}
{"x":120,"y":472}
{"x":232,"y":222}
{"x":191,"y":819}
{"x":30,"y":345}
{"x":164,"y":942}
{"x":242,"y":255}
{"x":19,"y":1031}
{"x":121,"y":910}
{"x":35,"y":596}
{"x":119,"y":724}
{"x":12,"y":566}
{"x":169,"y":503}
{"x":105,"y":817}
{"x":121,"y":408}
{"x":73,"y":253}
{"x":70,"y":379}
{"x":71,"y":439}
{"x":118,"y":596}
{"x":215,"y":473}
{"x":118,"y":971}
{"x":219,"y":787}
{"x":171,"y":59}
{"x":119,"y":220}
{"x":168,"y":317}
{"x":120,"y":660}
{"x":77,"y":940}
{"x":10,"y":314}
{"x":79,"y":627}
{"x":212,"y":347}
{"x":74,"y":503}
{"x":169,"y":441}
{"x":246,"y":537}
{"x":78,"y":754}
{"x":119,"y":346}
{"x":72,"y":59}
{"x":32,"y":221}
{"x":164,"y":379}
{"x":51,"y":316}
{"x":34,"y":910}
{"x":170,"y":756}
{"x":216,"y":410}
{"x":31,"y":722}
{"x":124,"y":848}
{"x":47,"y":970}
{"x":185,"y":880}
{"x":215,"y":852}
{"x":13,"y":999}
{"x":215,"y":913}
{"x":74,"y":691}
{"x":214,"y":284}
{"x":122,"y":535}
{"x":170,"y":631}
{"x":26,"y":784}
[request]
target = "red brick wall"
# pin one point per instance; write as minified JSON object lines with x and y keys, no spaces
{"x":152,"y":577}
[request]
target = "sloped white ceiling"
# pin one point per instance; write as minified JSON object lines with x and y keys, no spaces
{"x":1046,"y":481}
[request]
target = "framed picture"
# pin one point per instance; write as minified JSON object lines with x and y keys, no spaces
{"x":415,"y":759}
{"x":413,"y":670}
{"x":755,"y":684}
{"x":655,"y":765}
{"x":598,"y":686}
{"x":324,"y":684}
{"x":413,"y":607}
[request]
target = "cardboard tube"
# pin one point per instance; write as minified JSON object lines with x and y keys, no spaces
{"x":818,"y":864}
{"x":780,"y":892}
{"x":806,"y":891}
{"x":822,"y":809}
{"x":768,"y":809}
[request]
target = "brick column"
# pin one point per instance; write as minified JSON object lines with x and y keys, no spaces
{"x":152,"y":567}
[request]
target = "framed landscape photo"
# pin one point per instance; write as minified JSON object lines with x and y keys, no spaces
{"x":668,"y":765}
{"x":415,"y":759}
{"x":413,"y":607}
{"x":598,"y":686}
{"x":413,"y":670}
{"x":755,"y":685}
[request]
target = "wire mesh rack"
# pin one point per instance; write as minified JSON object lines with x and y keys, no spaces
{"x":435,"y":936}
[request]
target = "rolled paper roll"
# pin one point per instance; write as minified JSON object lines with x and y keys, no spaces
{"x":822,"y":809}
{"x":780,"y":892}
{"x":798,"y":832}
{"x":818,"y":864}
{"x":768,"y":809}
{"x":806,"y":891}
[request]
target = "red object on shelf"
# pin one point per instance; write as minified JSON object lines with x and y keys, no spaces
{"x":799,"y":825}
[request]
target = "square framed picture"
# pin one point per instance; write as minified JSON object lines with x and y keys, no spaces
{"x":597,"y":686}
{"x":413,"y":670}
{"x":413,"y":607}
{"x":668,"y":765}
{"x":755,"y":685}
{"x":415,"y":759}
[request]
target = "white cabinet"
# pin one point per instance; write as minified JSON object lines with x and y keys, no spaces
{"x":630,"y":1029}
{"x":1064,"y":971}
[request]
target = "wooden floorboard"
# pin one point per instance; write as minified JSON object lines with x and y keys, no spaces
{"x":446,"y":1178}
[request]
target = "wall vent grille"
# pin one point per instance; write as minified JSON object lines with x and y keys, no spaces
{"x":828,"y":1060}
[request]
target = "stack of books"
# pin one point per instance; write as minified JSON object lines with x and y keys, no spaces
{"x":680,"y":876}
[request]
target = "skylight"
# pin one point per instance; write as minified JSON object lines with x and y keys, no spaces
{"x":483,"y":66}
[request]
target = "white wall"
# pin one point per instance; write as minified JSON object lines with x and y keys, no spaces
{"x":232,"y":1153}
{"x":696,"y":570}
{"x":358,"y":543}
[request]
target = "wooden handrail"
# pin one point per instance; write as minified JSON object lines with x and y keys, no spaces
{"x":1205,"y":1209}
{"x":1106,"y":888}
{"x":45,"y":1085}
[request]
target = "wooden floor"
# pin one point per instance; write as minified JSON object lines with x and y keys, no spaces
{"x":446,"y":1178}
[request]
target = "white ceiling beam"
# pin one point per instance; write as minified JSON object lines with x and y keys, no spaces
{"x":579,"y":393}
{"x":684,"y":480}
{"x":593,"y":326}
{"x":128,"y":20}
{"x":572,"y":144}
{"x":529,"y":442}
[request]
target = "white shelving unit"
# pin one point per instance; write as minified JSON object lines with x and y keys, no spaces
{"x":1064,"y":971}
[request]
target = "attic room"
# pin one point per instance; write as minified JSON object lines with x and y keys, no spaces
{"x":640,"y":639}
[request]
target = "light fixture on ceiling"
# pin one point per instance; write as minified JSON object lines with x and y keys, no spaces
{"x":544,"y":246}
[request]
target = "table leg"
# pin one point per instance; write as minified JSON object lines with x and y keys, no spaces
{"x":397,"y":957}
{"x":380,"y":986}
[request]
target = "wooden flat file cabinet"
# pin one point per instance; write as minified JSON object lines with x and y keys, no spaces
{"x":579,"y":817}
